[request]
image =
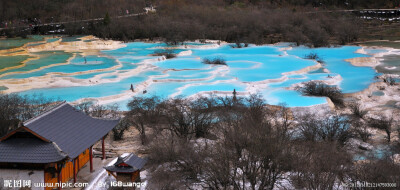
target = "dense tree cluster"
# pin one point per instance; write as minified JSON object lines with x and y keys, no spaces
{"x":242,"y":143}
{"x":235,"y":142}
{"x":47,"y":11}
{"x":175,"y":24}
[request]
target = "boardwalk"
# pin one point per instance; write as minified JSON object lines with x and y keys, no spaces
{"x":369,"y":14}
{"x":357,"y":11}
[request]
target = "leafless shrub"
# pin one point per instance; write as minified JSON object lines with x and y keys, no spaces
{"x":239,"y":45}
{"x":180,"y":158}
{"x":98,"y":110}
{"x":169,"y":54}
{"x":378,"y":171}
{"x":188,"y":118}
{"x":332,"y":128}
{"x":357,"y":110}
{"x":84,"y":107}
{"x":119,"y":130}
{"x":397,"y":145}
{"x":253,"y":147}
{"x":361,"y":130}
{"x":317,"y":88}
{"x":202,"y":114}
{"x":389,"y":81}
{"x":164,"y":179}
{"x":15,"y":109}
{"x":320,"y":166}
{"x":314,"y":56}
{"x":382,"y":123}
{"x":311,"y":56}
{"x":215,"y":61}
{"x":144,"y":112}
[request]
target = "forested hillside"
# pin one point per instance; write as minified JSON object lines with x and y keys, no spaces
{"x":77,"y":9}
{"x":252,"y":21}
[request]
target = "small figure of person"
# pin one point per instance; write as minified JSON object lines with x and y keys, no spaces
{"x":132,"y":88}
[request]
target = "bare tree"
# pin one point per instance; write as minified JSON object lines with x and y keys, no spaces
{"x":331,"y":128}
{"x":320,"y":166}
{"x":85,"y":107}
{"x":177,"y":115}
{"x":382,"y":123}
{"x":119,"y":130}
{"x":98,"y":110}
{"x":361,"y":129}
{"x":15,"y":109}
{"x":309,"y":128}
{"x":377,"y":171}
{"x":144,"y":112}
{"x":188,"y":118}
{"x":217,"y":169}
{"x":254,"y":144}
{"x":181,"y":159}
{"x":202,"y":112}
{"x":357,"y":110}
{"x":258,"y":148}
{"x":318,"y":88}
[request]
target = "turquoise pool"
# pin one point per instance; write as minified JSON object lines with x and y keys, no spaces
{"x":268,"y":70}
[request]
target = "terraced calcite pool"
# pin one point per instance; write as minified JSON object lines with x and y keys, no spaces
{"x":87,"y":69}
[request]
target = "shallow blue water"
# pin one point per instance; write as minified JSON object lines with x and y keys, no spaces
{"x":188,"y":74}
{"x":90,"y":75}
{"x":293,"y":79}
{"x":71,"y":38}
{"x":228,"y":50}
{"x":212,"y":87}
{"x":271,"y":67}
{"x":181,"y":63}
{"x":379,"y":152}
{"x":245,"y":67}
{"x":76,"y":65}
{"x":162,"y":90}
{"x":354,"y":78}
{"x":52,"y":39}
{"x":47,"y":59}
{"x":94,"y":91}
{"x":372,"y":51}
{"x":378,"y":93}
{"x":290,"y":98}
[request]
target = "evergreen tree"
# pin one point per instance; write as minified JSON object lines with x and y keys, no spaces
{"x":234,"y":95}
{"x":107,"y":19}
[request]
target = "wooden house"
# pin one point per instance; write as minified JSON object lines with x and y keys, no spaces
{"x":127,"y":169}
{"x":52,"y":147}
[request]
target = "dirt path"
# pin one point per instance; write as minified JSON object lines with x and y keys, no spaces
{"x":77,"y":21}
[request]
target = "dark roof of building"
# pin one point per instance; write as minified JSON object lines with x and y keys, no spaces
{"x":134,"y":163}
{"x":72,"y":130}
{"x":119,"y":161}
{"x":29,"y":150}
{"x":120,"y":169}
